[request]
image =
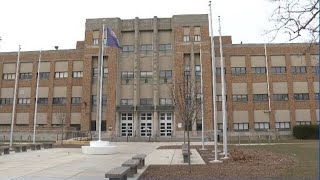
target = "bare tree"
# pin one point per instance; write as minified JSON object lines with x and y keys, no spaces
{"x":295,"y":18}
{"x":60,"y":115}
{"x":187,"y":104}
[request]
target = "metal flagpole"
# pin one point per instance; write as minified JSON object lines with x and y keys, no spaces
{"x":36,"y":102}
{"x":214,"y":91}
{"x":101,"y":82}
{"x":223,"y":84}
{"x":202,"y":133}
{"x":267,"y":71}
{"x":14,"y":96}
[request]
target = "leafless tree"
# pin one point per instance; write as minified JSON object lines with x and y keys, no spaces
{"x":60,"y":115}
{"x":187,"y":104}
{"x":295,"y":18}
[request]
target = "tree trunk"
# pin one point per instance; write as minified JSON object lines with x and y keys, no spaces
{"x":188,"y":138}
{"x":184,"y":135}
{"x":62,"y":134}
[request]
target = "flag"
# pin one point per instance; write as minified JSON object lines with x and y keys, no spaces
{"x":112,"y":40}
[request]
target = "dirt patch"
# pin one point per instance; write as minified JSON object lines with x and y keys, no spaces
{"x":244,"y":163}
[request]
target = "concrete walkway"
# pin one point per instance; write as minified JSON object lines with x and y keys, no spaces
{"x":70,"y":163}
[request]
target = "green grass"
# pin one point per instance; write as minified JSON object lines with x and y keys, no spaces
{"x":306,"y":153}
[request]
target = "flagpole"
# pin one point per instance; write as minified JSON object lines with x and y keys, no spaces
{"x":14,"y":96}
{"x":267,"y":71}
{"x":101,"y":81}
{"x":202,"y":133}
{"x":223,"y":84}
{"x":214,"y":91}
{"x":36,"y":103}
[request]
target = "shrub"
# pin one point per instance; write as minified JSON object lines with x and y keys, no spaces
{"x":306,"y":131}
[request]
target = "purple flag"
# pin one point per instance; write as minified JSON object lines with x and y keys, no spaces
{"x":112,"y":40}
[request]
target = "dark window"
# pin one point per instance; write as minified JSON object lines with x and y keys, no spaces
{"x":145,"y":76}
{"x":165,"y":75}
{"x":126,"y":76}
{"x":93,"y":126}
{"x":146,"y":48}
{"x":258,"y":70}
{"x":165,"y":48}
{"x":301,"y":96}
{"x":280,"y":97}
{"x":316,"y":96}
{"x":261,"y":125}
{"x":238,"y":70}
{"x":315,"y":69}
{"x":282,"y":125}
{"x":240,"y":98}
{"x":25,"y":76}
{"x":6,"y":101}
{"x":42,"y":100}
{"x":260,"y":97}
{"x":95,"y":72}
{"x":59,"y":100}
{"x":76,"y":100}
{"x":127,"y":48}
{"x":278,"y":70}
{"x":218,"y":71}
{"x":298,"y":69}
{"x":44,"y":75}
{"x":146,"y":101}
{"x":198,"y":72}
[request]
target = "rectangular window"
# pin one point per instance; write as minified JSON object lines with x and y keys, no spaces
{"x":279,"y":70}
{"x":126,"y":76}
{"x":219,"y":98}
{"x":198,"y":72}
{"x":95,"y":41}
{"x":186,"y":38}
{"x":298,"y":69}
{"x":282,"y":125}
{"x":165,"y":101}
{"x":280,"y":97}
{"x":261,"y":125}
{"x":105,"y":72}
{"x":93,"y":125}
{"x":127,"y":48}
{"x":146,"y":101}
{"x":145,"y":76}
{"x":44,"y":75}
{"x":25,"y":76}
{"x":59,"y":100}
{"x":77,"y":74}
{"x":58,"y":75}
{"x":104,"y":100}
{"x":146,"y":48}
{"x":238,"y":70}
{"x":187,"y":71}
{"x":165,"y":75}
{"x":218,"y":71}
{"x":42,"y":100}
{"x":301,"y":96}
{"x":197,"y":38}
{"x":165,"y":48}
{"x":315,"y":70}
{"x":95,"y":72}
{"x":126,"y":102}
{"x":240,"y":98}
{"x":24,"y":101}
{"x":316,"y":96}
{"x":76,"y":100}
{"x":9,"y":76}
{"x":260,"y":97}
{"x":258,"y":70}
{"x":241,"y":126}
{"x":4,"y":101}
{"x":303,"y":123}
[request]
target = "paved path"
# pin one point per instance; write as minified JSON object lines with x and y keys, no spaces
{"x":70,"y":163}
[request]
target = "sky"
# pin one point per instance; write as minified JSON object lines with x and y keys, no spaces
{"x":43,"y":24}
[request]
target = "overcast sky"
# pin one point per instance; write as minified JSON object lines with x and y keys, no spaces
{"x":42,"y":24}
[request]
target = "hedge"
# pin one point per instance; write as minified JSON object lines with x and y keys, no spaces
{"x":306,"y":131}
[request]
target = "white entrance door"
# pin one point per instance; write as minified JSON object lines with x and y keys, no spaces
{"x":165,"y":123}
{"x":126,"y":124}
{"x":145,"y":124}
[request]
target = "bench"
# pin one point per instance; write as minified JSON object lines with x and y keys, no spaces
{"x":141,"y":158}
{"x":47,"y":145}
{"x":133,"y":164}
{"x":34,"y":147}
{"x":118,"y":173}
{"x":4,"y":149}
{"x":20,"y":148}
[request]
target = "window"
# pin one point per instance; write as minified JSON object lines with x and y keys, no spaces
{"x":218,"y":71}
{"x":127,"y":48}
{"x":95,"y":72}
{"x":105,"y":72}
{"x":146,"y":48}
{"x":240,"y":98}
{"x":301,"y":96}
{"x":93,"y":125}
{"x":278,"y":70}
{"x":9,"y":76}
{"x":24,"y":101}
{"x":76,"y":100}
{"x":315,"y":70}
{"x":260,"y":97}
{"x":219,"y":98}
{"x":59,"y":100}
{"x":165,"y":48}
{"x":241,"y":126}
{"x":95,"y":41}
{"x":298,"y":69}
{"x":187,"y":71}
{"x":42,"y":100}
{"x":44,"y":75}
{"x":198,"y":72}
{"x":4,"y":101}
{"x":126,"y":76}
{"x":238,"y":70}
{"x":261,"y":125}
{"x":25,"y":76}
{"x":77,"y":74}
{"x":60,"y":75}
{"x":282,"y":125}
{"x":145,"y":76}
{"x":165,"y":75}
{"x":220,"y":126}
{"x":146,"y":101}
{"x":186,"y":38}
{"x":165,"y":101}
{"x":258,"y":70}
{"x":104,"y":100}
{"x":316,"y":96}
{"x":126,"y":102}
{"x":197,"y":38}
{"x":303,"y":123}
{"x":280,"y":97}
